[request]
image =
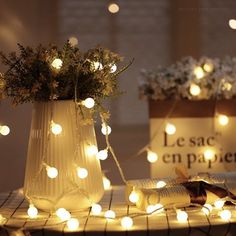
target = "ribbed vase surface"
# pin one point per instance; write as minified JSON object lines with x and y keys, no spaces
{"x":67,"y":152}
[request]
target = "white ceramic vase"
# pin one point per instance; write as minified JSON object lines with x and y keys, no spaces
{"x":67,"y":152}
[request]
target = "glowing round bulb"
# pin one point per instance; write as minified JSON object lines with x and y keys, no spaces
{"x":225,"y":215}
{"x":63,"y":214}
{"x":158,"y":208}
{"x":56,"y":128}
{"x":89,"y":103}
{"x":223,"y":120}
{"x":72,"y":224}
{"x":92,"y":150}
{"x":113,"y":68}
{"x":219,"y":204}
{"x":207,"y":208}
{"x":226,"y":86}
{"x":182,"y":216}
{"x":57,"y":63}
{"x":102,"y":155}
{"x":133,"y":197}
{"x":170,"y":129}
{"x":96,"y":209}
{"x":73,"y":41}
{"x":106,"y":183}
{"x":82,"y":173}
{"x":113,"y":8}
{"x":110,"y":214}
{"x":106,"y":129}
{"x":209,"y":154}
{"x":152,"y":156}
{"x":4,"y":130}
{"x":150,"y":209}
{"x":161,"y":184}
{"x":1,"y":218}
{"x":198,"y":72}
{"x":208,"y":67}
{"x":195,"y":90}
{"x":52,"y":172}
{"x":97,"y":66}
{"x":232,"y":23}
{"x":126,"y":222}
{"x":32,"y":211}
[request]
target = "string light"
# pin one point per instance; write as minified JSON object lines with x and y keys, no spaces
{"x":161,"y":184}
{"x":182,"y":216}
{"x":223,"y":120}
{"x":4,"y":130}
{"x":102,"y":155}
{"x":1,"y":218}
{"x":170,"y":129}
{"x":106,"y":129}
{"x":96,"y":209}
{"x":207,"y":208}
{"x":89,"y":103}
{"x":113,"y":8}
{"x":126,"y":222}
{"x":150,"y":209}
{"x":208,"y":67}
{"x":226,"y":86}
{"x":92,"y":150}
{"x":225,"y":215}
{"x":52,"y":172}
{"x":198,"y":72}
{"x":57,"y":63}
{"x":56,"y":128}
{"x":152,"y":156}
{"x":106,"y":183}
{"x":133,"y":197}
{"x":110,"y":214}
{"x":113,"y":68}
{"x":232,"y":24}
{"x":97,"y":65}
{"x":219,"y":203}
{"x":82,"y":173}
{"x":72,"y":224}
{"x":63,"y":214}
{"x":73,"y":41}
{"x":195,"y":90}
{"x":32,"y":211}
{"x":209,"y":154}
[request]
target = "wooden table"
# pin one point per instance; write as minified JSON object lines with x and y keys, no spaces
{"x":13,"y":207}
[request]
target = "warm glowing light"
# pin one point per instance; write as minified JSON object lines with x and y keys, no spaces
{"x":113,"y":68}
{"x":198,"y":72}
{"x":133,"y":197}
{"x":4,"y":130}
{"x":63,"y":214}
{"x":96,"y":65}
{"x":72,"y":224}
{"x":56,"y":128}
{"x":110,"y":214}
{"x":89,"y":103}
{"x":52,"y":172}
{"x":227,"y":86}
{"x":209,"y":154}
{"x":1,"y":218}
{"x":57,"y":63}
{"x":207,"y":208}
{"x":219,"y":203}
{"x":96,"y":209}
{"x":82,"y":173}
{"x":223,"y":120}
{"x":73,"y":41}
{"x":102,"y":155}
{"x":92,"y":150}
{"x":195,"y":90}
{"x":152,"y":156}
{"x":126,"y":222}
{"x":170,"y":129}
{"x":208,"y":67}
{"x":32,"y":211}
{"x":182,"y":216}
{"x":232,"y":24}
{"x":106,"y":183}
{"x":113,"y":8}
{"x":150,"y":209}
{"x":225,"y":215}
{"x":161,"y":184}
{"x":106,"y":129}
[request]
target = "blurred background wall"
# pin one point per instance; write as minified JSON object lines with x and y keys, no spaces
{"x":153,"y":32}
